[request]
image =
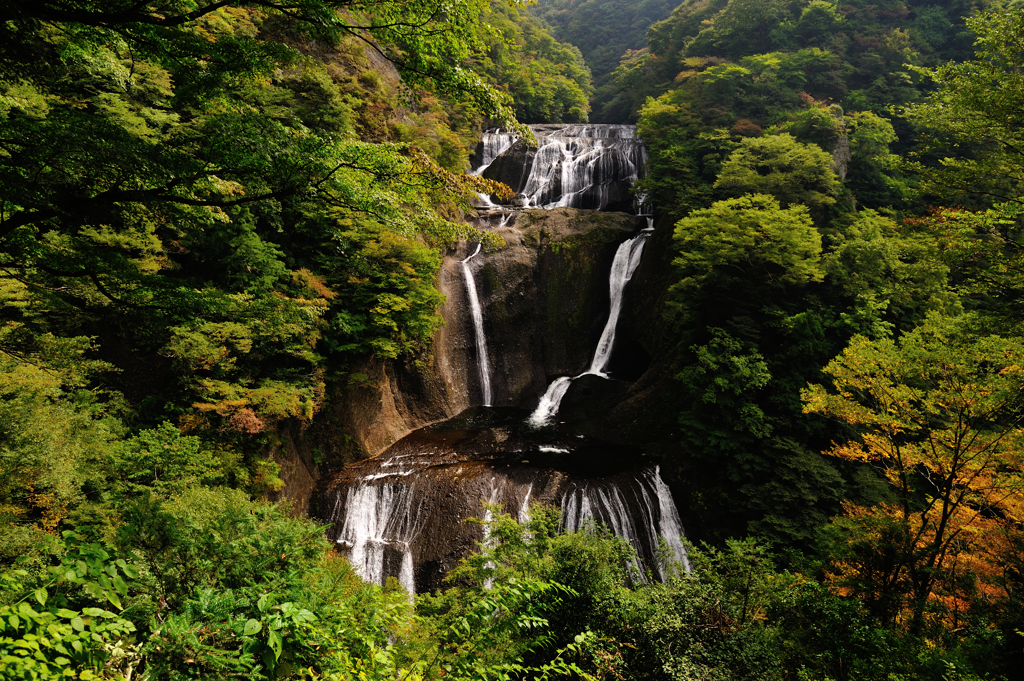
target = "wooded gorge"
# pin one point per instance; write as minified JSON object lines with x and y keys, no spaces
{"x":260,"y":258}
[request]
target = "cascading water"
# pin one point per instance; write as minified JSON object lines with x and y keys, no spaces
{"x":401,"y":514}
{"x":632,"y":510}
{"x":575,"y":166}
{"x":494,"y":144}
{"x":627,"y":259}
{"x":550,"y":401}
{"x":478,"y":329}
{"x":380,"y":523}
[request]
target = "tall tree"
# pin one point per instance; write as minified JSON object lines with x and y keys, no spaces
{"x":939,"y":415}
{"x":974,"y":121}
{"x":167,"y":186}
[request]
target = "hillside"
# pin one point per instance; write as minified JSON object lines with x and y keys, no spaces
{"x":250,"y":287}
{"x":603,"y":30}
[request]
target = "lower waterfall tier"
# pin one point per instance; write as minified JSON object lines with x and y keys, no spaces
{"x":402,"y":514}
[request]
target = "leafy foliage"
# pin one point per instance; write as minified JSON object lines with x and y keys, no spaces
{"x":548,"y":80}
{"x":971,"y":120}
{"x":184,"y":186}
{"x":602,"y":30}
{"x":778,"y":165}
{"x":938,"y":416}
{"x":752,"y":238}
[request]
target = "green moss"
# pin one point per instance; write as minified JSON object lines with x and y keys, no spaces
{"x":570,"y":286}
{"x":595,"y":236}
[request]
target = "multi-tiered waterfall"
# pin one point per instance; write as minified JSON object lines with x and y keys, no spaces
{"x":400,"y":514}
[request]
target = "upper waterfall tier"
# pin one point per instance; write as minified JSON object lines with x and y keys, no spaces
{"x":575,"y":166}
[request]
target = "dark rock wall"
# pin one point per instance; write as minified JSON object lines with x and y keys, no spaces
{"x":545,"y":301}
{"x":642,"y":411}
{"x":546,"y":297}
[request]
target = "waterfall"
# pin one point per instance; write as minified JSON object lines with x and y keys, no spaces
{"x":627,"y":258}
{"x":550,"y":402}
{"x":575,"y":166}
{"x":634,"y":510}
{"x":401,"y":514}
{"x":478,"y":329}
{"x":671,"y":526}
{"x":401,"y":511}
{"x":380,"y":523}
{"x":493,"y":144}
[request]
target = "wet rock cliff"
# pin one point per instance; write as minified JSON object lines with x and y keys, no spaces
{"x":545,"y":294}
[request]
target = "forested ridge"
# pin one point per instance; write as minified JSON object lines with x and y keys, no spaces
{"x":210,"y":212}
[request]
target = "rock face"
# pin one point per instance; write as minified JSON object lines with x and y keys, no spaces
{"x":400,"y":514}
{"x":545,"y":296}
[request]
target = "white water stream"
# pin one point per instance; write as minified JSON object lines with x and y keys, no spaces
{"x":576,"y":166}
{"x":641,"y":512}
{"x":627,"y":258}
{"x":478,"y":329}
{"x":380,"y":524}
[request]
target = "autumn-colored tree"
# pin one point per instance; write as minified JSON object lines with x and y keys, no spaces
{"x":939,"y":416}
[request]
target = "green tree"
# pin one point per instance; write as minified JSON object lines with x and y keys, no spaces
{"x":548,"y":81}
{"x":741,"y":28}
{"x":168,"y":190}
{"x":891,"y":277}
{"x":779,"y":166}
{"x":973,"y":119}
{"x":751,"y":238}
{"x":55,"y":438}
{"x":747,"y":324}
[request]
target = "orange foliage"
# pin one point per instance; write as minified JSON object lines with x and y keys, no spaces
{"x":939,"y":418}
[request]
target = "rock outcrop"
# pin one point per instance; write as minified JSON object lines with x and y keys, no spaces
{"x":401,"y":514}
{"x":545,"y":296}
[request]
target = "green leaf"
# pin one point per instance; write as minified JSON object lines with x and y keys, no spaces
{"x":120,"y":585}
{"x":251,"y":627}
{"x":41,"y":595}
{"x":78,"y":624}
{"x":114,"y":598}
{"x":262,"y":603}
{"x":276,"y":643}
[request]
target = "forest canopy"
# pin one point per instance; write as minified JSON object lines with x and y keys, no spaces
{"x":211,"y":212}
